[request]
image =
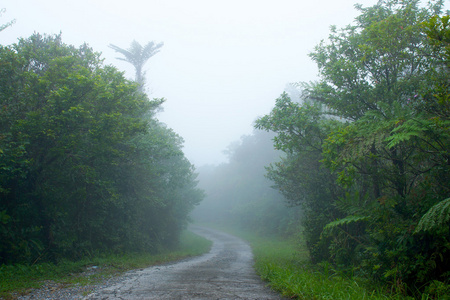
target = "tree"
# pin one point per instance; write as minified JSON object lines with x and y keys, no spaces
{"x":392,"y":151}
{"x":138,"y":56}
{"x":84,"y":166}
{"x":382,"y":136}
{"x":301,"y":130}
{"x":238,"y":194}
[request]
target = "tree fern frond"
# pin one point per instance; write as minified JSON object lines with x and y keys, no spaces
{"x":436,"y":217}
{"x":405,"y":131}
{"x":417,"y":128}
{"x":120,"y":50}
{"x":352,"y":203}
{"x":347,"y":220}
{"x":151,"y":49}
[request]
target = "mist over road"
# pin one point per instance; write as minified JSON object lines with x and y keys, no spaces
{"x":224,"y":273}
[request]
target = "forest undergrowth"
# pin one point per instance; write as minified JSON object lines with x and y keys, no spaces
{"x":285,"y":264}
{"x":19,"y":278}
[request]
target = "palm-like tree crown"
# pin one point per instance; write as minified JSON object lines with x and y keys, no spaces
{"x":138,"y":56}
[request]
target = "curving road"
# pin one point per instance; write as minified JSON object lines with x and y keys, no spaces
{"x":224,"y":273}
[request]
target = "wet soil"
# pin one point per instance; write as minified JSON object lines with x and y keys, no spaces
{"x":224,"y":273}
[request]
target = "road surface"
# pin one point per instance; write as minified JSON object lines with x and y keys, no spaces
{"x":224,"y":273}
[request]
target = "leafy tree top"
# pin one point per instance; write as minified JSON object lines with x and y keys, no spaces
{"x":381,"y":59}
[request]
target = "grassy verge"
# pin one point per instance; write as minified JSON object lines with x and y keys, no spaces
{"x":289,"y":271}
{"x":19,"y":278}
{"x":286,"y":266}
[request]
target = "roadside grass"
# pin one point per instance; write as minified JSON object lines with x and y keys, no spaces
{"x":289,"y":271}
{"x":17,"y":279}
{"x":286,"y":266}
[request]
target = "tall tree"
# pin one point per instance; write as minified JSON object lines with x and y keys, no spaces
{"x":384,"y":137}
{"x":84,"y":166}
{"x":138,"y":55}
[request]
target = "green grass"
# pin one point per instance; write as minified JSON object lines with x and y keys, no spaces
{"x":289,"y":271}
{"x":286,"y":266}
{"x":17,"y":279}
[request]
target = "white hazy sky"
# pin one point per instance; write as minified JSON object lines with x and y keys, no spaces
{"x":223,"y":63}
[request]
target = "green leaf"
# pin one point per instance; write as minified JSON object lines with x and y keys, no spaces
{"x":345,"y":221}
{"x":435,"y":218}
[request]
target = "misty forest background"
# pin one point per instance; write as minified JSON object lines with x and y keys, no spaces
{"x":355,"y":164}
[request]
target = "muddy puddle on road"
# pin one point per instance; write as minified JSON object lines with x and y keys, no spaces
{"x":224,"y":273}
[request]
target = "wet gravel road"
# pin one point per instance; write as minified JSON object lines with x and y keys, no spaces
{"x":224,"y":273}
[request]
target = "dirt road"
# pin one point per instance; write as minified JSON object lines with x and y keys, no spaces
{"x":224,"y":273}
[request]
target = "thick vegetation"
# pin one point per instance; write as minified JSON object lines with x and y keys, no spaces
{"x":238,"y":194}
{"x":367,"y":148}
{"x":85,"y":167}
{"x":286,"y":265}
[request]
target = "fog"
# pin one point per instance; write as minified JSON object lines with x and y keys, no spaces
{"x":222,"y":65}
{"x":238,"y":194}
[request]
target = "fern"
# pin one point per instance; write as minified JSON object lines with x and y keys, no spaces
{"x":353,"y":203}
{"x":417,"y":128}
{"x":406,"y":130}
{"x":436,"y":217}
{"x":347,"y":220}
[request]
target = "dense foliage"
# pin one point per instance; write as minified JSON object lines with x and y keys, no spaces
{"x":367,"y":148}
{"x":239,"y":195}
{"x":84,"y":164}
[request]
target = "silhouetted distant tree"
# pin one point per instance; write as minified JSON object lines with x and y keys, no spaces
{"x":138,"y":56}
